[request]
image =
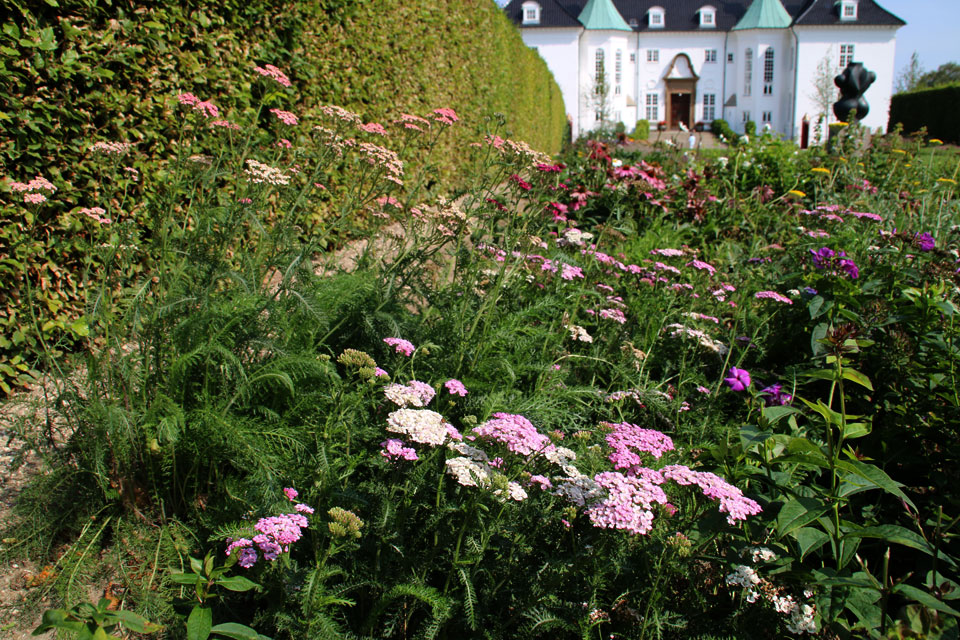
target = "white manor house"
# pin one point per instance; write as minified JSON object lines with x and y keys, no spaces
{"x":692,"y":61}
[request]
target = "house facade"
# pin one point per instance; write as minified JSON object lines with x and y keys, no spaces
{"x":692,"y":61}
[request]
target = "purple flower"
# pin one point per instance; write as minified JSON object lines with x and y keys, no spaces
{"x":775,"y":395}
{"x":924,"y":241}
{"x":248,"y":558}
{"x":738,"y":379}
{"x":822,"y":257}
{"x":393,"y":449}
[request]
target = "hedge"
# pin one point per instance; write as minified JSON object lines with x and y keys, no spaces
{"x":935,"y":109}
{"x":74,"y":72}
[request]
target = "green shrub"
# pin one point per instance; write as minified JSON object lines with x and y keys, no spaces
{"x":102,"y":72}
{"x":642,"y":130}
{"x":934,"y":109}
{"x":722,"y":127}
{"x":750,"y":128}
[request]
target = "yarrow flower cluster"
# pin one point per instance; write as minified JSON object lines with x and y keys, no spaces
{"x":773,"y":295}
{"x":97,"y":214}
{"x":413,"y":394}
{"x":204,"y":108}
{"x":628,"y":441}
{"x":455,"y":387}
{"x":702,"y":338}
{"x":32,"y":190}
{"x":800,"y":618}
{"x":111,"y":148}
{"x":420,"y":425}
{"x":285,"y":117}
{"x":259,"y":173}
{"x":394,"y":449}
{"x":401,"y":346}
{"x":515,"y":432}
{"x":270,"y":71}
{"x":274,"y":535}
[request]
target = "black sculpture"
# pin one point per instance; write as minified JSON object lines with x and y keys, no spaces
{"x":853,"y":82}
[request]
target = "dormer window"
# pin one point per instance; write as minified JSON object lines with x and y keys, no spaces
{"x":708,"y":17}
{"x":848,"y":10}
{"x":655,"y":18}
{"x":634,"y":22}
{"x":531,"y":13}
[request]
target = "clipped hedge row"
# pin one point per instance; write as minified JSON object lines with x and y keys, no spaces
{"x":73,"y":73}
{"x":934,"y":109}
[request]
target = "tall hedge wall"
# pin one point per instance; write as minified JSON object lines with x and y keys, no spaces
{"x":75,"y":72}
{"x":935,"y":109}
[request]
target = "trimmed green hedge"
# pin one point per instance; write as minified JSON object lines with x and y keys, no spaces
{"x":76,"y":72}
{"x":934,"y":109}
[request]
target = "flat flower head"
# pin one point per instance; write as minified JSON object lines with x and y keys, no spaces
{"x":455,"y":387}
{"x":401,"y":346}
{"x":738,"y":379}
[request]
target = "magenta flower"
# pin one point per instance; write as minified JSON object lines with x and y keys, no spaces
{"x":291,"y":494}
{"x":774,"y":395}
{"x":455,"y":387}
{"x":394,"y":449}
{"x":925,"y":241}
{"x":738,"y":379}
{"x":284,"y":116}
{"x":402,"y":346}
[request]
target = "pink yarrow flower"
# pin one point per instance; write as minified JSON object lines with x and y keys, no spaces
{"x":394,"y":449}
{"x":773,"y":295}
{"x":270,"y":71}
{"x":445,"y":116}
{"x":285,"y":117}
{"x":455,"y":387}
{"x":401,"y":346}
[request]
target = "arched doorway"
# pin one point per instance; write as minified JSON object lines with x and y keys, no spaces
{"x":681,"y":84}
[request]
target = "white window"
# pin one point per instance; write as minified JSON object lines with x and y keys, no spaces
{"x":655,"y":18}
{"x":767,"y":116}
{"x":618,"y":69}
{"x":746,"y":116}
{"x":708,"y":17}
{"x":600,"y":72}
{"x":633,"y":57}
{"x":747,"y":72}
{"x":634,"y":22}
{"x":653,"y":110}
{"x":599,"y":115}
{"x":846,"y":55}
{"x":710,"y":55}
{"x":616,"y":90}
{"x":709,"y":107}
{"x":730,"y":57}
{"x":848,"y":10}
{"x":768,"y":71}
{"x":653,"y":55}
{"x":531,"y":12}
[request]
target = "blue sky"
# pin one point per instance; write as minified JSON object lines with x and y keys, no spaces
{"x":931,"y":31}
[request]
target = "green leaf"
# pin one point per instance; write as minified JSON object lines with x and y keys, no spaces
{"x":200,"y":623}
{"x":799,"y":512}
{"x":925,"y":598}
{"x":184,"y":578}
{"x":831,"y":416}
{"x":809,"y":539}
{"x":237,"y":631}
{"x":898,"y":535}
{"x":196,"y":565}
{"x":237,"y":583}
{"x":875,"y":475}
{"x":751,"y":436}
{"x":56,"y":619}
{"x":857,"y":430}
{"x":855,"y":376}
{"x":136,"y":622}
{"x":150,"y":24}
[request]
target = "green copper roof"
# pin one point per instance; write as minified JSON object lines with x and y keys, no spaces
{"x":764,"y":14}
{"x":601,"y":14}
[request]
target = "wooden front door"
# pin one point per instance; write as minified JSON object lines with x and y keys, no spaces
{"x":679,"y":110}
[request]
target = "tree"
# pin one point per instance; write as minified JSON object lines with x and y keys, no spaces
{"x":909,"y":78}
{"x":824,"y":92}
{"x":597,"y":98}
{"x":947,"y":73}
